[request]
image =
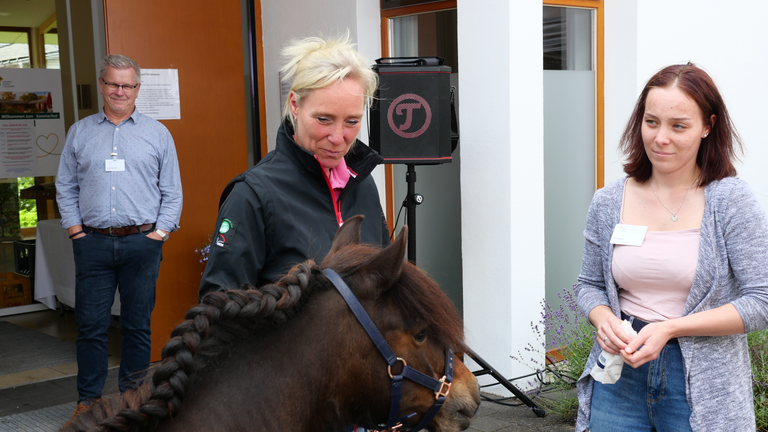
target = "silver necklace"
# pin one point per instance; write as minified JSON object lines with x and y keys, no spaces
{"x":674,"y":214}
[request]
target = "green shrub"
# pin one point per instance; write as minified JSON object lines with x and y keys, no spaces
{"x":758,"y":344}
{"x":27,"y":207}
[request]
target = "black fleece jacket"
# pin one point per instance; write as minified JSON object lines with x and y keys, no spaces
{"x":281,"y":212}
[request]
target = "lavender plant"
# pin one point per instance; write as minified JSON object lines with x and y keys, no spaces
{"x":565,"y":355}
{"x":204,"y":251}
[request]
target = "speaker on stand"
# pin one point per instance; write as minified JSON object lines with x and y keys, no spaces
{"x":410,"y":121}
{"x":413,"y":122}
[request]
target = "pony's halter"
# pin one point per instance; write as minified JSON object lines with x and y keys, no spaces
{"x":441,"y":387}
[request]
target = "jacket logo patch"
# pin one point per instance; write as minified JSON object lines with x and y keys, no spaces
{"x":226,"y":224}
{"x":226,"y":233}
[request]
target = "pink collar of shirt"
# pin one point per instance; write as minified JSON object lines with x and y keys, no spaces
{"x":340,"y":175}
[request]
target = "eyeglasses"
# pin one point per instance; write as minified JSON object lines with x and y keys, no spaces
{"x":125,"y":87}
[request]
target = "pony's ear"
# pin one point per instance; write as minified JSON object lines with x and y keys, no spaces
{"x":388,"y":263}
{"x":348,"y":234}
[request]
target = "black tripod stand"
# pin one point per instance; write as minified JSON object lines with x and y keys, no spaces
{"x":411,"y":202}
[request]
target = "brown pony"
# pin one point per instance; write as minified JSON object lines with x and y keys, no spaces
{"x":291,"y":356}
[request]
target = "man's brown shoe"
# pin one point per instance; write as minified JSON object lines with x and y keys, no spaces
{"x":82,"y":407}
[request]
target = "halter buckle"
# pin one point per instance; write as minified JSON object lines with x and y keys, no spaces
{"x":392,"y":429}
{"x":389,"y":369}
{"x":445,"y":388}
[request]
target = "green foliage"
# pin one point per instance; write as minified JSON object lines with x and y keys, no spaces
{"x":758,"y":354}
{"x":27,"y":219}
{"x":27,"y":207}
{"x":9,"y":213}
{"x":571,"y":335}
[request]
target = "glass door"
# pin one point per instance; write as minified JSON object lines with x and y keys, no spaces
{"x":28,"y":40}
{"x":570,"y":137}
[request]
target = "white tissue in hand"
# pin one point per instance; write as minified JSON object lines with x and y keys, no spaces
{"x":608,"y":368}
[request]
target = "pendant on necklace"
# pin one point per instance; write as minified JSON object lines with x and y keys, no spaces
{"x":674,"y":218}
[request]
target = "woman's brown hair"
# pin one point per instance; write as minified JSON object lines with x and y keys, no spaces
{"x":717,"y":152}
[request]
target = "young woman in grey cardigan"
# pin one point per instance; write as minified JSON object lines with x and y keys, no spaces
{"x":688,"y":368}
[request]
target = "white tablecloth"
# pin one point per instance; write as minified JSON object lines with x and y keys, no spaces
{"x":55,"y":266}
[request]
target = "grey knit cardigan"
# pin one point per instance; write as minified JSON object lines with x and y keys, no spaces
{"x":732,"y":268}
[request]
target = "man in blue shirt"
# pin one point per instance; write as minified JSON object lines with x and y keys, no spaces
{"x":119,"y":193}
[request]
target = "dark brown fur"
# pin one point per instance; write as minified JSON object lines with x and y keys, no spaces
{"x":248,"y":360}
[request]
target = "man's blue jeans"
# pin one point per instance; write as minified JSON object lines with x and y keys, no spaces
{"x":103,"y":262}
{"x":649,"y":398}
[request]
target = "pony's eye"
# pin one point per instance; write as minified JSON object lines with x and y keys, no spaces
{"x":421,"y":336}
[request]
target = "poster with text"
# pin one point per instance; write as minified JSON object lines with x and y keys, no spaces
{"x":31,"y":122}
{"x":159,"y":94}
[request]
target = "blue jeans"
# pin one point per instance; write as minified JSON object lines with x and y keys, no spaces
{"x":649,"y":398}
{"x":103,"y":262}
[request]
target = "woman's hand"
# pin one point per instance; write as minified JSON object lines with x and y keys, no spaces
{"x":610,"y":336}
{"x":721,"y":321}
{"x":647,"y":345}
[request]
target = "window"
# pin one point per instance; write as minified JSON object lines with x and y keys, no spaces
{"x":14,"y":49}
{"x":51,"y":45}
{"x":426,"y":35}
{"x":18,"y":213}
{"x":567,"y":38}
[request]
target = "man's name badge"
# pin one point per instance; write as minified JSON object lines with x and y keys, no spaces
{"x":115,"y":164}
{"x":629,"y":235}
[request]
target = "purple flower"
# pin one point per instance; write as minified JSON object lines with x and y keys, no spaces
{"x":204,"y":251}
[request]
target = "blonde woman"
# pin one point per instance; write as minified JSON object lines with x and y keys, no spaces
{"x":288,"y":207}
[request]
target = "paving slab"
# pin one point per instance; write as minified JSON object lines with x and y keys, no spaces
{"x":47,"y":413}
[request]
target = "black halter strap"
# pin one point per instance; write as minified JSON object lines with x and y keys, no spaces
{"x":440,"y":387}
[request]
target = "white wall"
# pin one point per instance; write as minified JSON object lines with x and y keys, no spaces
{"x":502,"y":169}
{"x":728,"y":40}
{"x":285,"y":20}
{"x":620,"y":78}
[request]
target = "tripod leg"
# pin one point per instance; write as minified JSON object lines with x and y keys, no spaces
{"x":488,"y":369}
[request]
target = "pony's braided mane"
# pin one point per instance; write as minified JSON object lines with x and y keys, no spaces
{"x":208,"y":329}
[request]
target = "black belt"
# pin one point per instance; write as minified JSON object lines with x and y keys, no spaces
{"x":121,"y":231}
{"x":638,"y":324}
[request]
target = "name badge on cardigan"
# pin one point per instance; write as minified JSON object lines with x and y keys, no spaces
{"x":115,"y":164}
{"x":629,"y":235}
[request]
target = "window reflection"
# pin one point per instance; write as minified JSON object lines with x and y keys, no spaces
{"x":567,"y":38}
{"x":426,"y":35}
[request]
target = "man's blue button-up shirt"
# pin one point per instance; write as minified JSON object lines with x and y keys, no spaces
{"x":147,"y":191}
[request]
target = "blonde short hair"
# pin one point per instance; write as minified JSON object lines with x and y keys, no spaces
{"x":314,"y":63}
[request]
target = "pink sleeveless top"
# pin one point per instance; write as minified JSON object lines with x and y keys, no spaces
{"x":654,"y":279}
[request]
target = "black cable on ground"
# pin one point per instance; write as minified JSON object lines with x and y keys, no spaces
{"x":502,"y":400}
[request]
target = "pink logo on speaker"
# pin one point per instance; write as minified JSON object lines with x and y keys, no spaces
{"x":406,"y":105}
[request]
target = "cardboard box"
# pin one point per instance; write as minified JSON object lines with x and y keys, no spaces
{"x":15,"y":290}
